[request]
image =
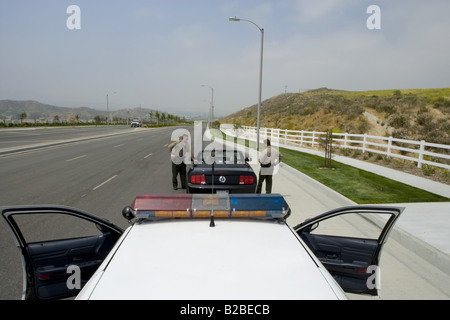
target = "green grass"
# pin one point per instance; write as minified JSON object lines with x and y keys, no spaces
{"x":360,"y":186}
{"x":429,"y":93}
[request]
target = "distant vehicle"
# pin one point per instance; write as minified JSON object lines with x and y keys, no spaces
{"x":196,"y":246}
{"x":225,"y":171}
{"x":136,"y":124}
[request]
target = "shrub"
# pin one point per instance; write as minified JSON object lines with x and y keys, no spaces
{"x":398,"y":121}
{"x":428,"y":170}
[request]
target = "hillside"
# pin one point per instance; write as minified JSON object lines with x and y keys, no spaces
{"x":409,"y":114}
{"x":10,"y":110}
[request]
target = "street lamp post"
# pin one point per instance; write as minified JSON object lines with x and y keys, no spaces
{"x":258,"y":121}
{"x":211,"y":112}
{"x":107,"y":107}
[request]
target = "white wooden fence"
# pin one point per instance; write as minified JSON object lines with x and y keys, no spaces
{"x":418,"y":151}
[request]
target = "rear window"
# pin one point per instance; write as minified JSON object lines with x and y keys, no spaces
{"x":223,"y":156}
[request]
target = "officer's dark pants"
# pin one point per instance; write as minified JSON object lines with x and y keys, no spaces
{"x":179,"y":169}
{"x":268,"y":179}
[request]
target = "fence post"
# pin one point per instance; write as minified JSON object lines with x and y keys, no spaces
{"x":422,"y":149}
{"x":301,"y":138}
{"x":364,"y":143}
{"x":285,"y":136}
{"x":345,"y":140}
{"x":388,"y":154}
{"x":313,"y":139}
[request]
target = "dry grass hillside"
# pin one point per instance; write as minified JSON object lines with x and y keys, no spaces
{"x":418,"y":114}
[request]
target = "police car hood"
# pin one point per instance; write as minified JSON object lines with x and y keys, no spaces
{"x":189,"y":260}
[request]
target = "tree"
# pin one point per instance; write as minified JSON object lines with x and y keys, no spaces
{"x":327,"y":144}
{"x":397,"y":94}
{"x":97,"y":119}
{"x":151,"y":115}
{"x":23,"y":116}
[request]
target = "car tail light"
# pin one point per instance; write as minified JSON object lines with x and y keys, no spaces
{"x":246,"y":179}
{"x":198,"y":179}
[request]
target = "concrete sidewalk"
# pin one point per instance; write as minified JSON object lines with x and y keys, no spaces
{"x":423,"y":228}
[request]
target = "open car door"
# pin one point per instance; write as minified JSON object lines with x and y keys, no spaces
{"x":348,"y":242}
{"x":61,"y":248}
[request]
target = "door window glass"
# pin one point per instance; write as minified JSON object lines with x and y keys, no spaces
{"x":56,"y":226}
{"x":354,"y":225}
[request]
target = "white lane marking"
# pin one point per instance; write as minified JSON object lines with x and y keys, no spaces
{"x":76,"y":158}
{"x":101,"y":184}
{"x":148,"y":155}
{"x":119,"y":145}
{"x":165,"y":145}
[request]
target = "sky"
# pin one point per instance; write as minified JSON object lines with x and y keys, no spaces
{"x":158,"y":53}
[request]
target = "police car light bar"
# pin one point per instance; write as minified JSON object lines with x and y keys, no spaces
{"x":157,"y":206}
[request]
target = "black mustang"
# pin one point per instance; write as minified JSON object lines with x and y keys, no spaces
{"x":221,"y":171}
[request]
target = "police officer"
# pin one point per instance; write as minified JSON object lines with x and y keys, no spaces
{"x":179,"y":150}
{"x":268,"y":159}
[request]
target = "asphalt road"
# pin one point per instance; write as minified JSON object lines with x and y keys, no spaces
{"x":20,"y":137}
{"x":103,"y":175}
{"x":99,"y":176}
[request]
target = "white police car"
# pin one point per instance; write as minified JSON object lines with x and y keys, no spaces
{"x":136,"y":124}
{"x":199,"y":247}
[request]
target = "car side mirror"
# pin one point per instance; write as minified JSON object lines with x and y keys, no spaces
{"x":311,"y":228}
